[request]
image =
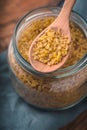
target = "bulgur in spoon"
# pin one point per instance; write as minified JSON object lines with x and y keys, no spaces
{"x":51,"y":48}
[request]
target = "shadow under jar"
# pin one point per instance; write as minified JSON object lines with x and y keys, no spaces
{"x":52,"y":91}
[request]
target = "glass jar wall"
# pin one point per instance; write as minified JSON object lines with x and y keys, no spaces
{"x":57,"y":90}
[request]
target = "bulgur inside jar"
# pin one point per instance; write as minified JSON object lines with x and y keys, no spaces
{"x":56,"y":90}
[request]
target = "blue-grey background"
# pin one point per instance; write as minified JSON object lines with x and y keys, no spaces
{"x":15,"y":114}
{"x":81,"y":8}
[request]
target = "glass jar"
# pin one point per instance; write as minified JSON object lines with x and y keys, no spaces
{"x":52,"y":91}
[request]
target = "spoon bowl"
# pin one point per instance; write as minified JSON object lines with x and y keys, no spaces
{"x":60,"y":23}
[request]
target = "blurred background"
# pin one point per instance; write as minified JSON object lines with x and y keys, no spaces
{"x":12,"y":10}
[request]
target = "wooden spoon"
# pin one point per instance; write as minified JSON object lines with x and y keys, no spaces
{"x":60,"y":23}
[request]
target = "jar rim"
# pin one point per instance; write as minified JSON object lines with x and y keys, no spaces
{"x":61,"y":72}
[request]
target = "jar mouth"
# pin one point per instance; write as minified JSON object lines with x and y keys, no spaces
{"x":61,"y":72}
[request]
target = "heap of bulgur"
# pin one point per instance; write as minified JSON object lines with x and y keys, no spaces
{"x":51,"y":47}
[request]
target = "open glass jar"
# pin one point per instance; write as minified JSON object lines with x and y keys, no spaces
{"x":57,"y":90}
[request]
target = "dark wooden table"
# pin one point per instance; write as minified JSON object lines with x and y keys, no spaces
{"x":10,"y":12}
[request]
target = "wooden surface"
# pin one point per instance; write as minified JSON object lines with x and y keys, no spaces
{"x":10,"y":12}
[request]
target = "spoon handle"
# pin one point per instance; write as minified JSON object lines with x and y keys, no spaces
{"x":62,"y":19}
{"x":67,"y":7}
